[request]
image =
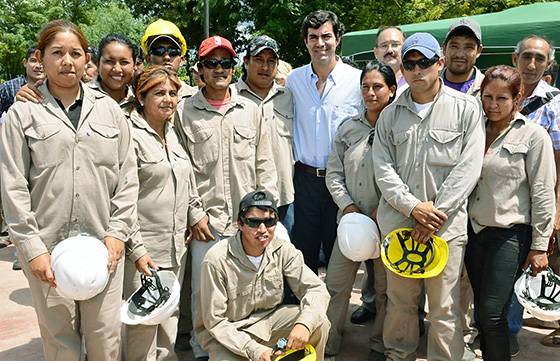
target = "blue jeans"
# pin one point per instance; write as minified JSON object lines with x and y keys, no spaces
{"x":494,"y":258}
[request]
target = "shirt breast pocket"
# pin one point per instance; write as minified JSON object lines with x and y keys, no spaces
{"x":104,"y":144}
{"x":514,"y":164}
{"x":283,"y":124}
{"x":244,"y":144}
{"x":444,"y":147}
{"x":203,"y":146}
{"x":46,"y":145}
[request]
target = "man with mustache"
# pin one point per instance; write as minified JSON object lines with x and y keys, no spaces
{"x":228,"y":142}
{"x":427,"y":157}
{"x":387,"y":50}
{"x":461,"y":48}
{"x":541,"y":104}
{"x":257,"y":84}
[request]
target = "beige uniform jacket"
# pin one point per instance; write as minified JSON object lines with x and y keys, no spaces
{"x":230,"y":153}
{"x":127,"y":104}
{"x":167,"y":194}
{"x":474,"y":90}
{"x":186,"y":90}
{"x":58,"y":181}
{"x":278,"y":112}
{"x":236,"y":294}
{"x":517,"y":183}
{"x":350,"y":178}
{"x":436,"y":159}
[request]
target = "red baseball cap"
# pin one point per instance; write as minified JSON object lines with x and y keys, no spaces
{"x":212,"y":43}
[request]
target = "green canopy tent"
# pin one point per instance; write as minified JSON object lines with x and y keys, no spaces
{"x":500,"y":32}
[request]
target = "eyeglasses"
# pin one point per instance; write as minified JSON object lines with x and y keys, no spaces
{"x":256,"y":222}
{"x":161,"y":50}
{"x":227,"y":63}
{"x":423,"y":63}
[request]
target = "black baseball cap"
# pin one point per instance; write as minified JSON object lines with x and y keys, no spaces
{"x":259,"y":198}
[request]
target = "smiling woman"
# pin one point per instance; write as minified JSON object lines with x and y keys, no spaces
{"x":67,"y":166}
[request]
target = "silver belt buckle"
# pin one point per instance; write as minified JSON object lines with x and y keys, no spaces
{"x":320,"y":172}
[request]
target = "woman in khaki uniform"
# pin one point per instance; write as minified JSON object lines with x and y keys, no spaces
{"x":67,"y":167}
{"x":167,"y":203}
{"x":511,"y":210}
{"x":351,"y":182}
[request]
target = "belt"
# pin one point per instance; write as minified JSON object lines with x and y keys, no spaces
{"x":317,"y":172}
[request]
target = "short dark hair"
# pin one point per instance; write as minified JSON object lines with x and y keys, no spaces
{"x":29,"y":52}
{"x":386,"y":72}
{"x":317,"y":18}
{"x":462,"y":31}
{"x":382,"y":28}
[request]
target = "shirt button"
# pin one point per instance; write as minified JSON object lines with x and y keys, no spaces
{"x":477,"y":198}
{"x":363,"y":165}
{"x":417,"y":186}
{"x":360,"y":184}
{"x":75,"y":220}
{"x":78,"y":168}
{"x":77,"y":195}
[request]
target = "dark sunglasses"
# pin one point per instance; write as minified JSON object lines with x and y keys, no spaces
{"x":423,"y":63}
{"x":227,"y":63}
{"x":161,"y":50}
{"x":256,"y":222}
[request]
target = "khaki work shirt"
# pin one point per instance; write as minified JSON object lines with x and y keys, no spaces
{"x":230,"y":153}
{"x":350,"y":178}
{"x":436,"y":159}
{"x":126,"y":104}
{"x":517,"y":183}
{"x":278,"y":112}
{"x":186,"y":90}
{"x":58,"y":181}
{"x":236,"y":294}
{"x":167,"y":194}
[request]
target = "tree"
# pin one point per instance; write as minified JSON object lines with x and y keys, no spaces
{"x":113,"y":18}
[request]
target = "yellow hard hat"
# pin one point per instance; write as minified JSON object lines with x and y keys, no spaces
{"x":407,"y":258}
{"x":161,"y":28}
{"x":303,"y":354}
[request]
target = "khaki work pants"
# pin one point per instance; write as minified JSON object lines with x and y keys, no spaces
{"x":278,"y":324}
{"x":148,"y":342}
{"x":340,"y":278}
{"x":445,"y":335}
{"x":63,"y":322}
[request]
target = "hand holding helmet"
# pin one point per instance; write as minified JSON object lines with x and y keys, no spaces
{"x":40,"y":267}
{"x":145,"y":264}
{"x":538,"y":260}
{"x":115,"y":247}
{"x":426,"y":214}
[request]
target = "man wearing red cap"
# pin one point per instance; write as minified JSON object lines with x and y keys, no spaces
{"x":229,"y":146}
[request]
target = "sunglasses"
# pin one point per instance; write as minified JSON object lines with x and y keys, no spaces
{"x":423,"y":63}
{"x":227,"y":63}
{"x":256,"y":222}
{"x":161,"y":50}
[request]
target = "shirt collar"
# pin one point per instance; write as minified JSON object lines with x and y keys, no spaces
{"x":337,"y":74}
{"x":242,"y":86}
{"x":406,"y":99}
{"x":200,"y":102}
{"x":541,"y":89}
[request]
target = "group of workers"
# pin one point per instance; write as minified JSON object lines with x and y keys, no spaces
{"x":194,"y":180}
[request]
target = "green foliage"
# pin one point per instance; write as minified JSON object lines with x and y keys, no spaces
{"x":113,"y":18}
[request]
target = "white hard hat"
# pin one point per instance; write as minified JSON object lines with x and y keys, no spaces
{"x":281,"y":232}
{"x":80,"y":269}
{"x":539,"y":295}
{"x":154,"y":301}
{"x":358,"y":237}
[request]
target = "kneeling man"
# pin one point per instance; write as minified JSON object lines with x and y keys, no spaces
{"x":242,"y":278}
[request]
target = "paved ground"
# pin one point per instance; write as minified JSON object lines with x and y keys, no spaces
{"x":20,"y":340}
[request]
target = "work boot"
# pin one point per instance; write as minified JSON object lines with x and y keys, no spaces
{"x":361,"y":315}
